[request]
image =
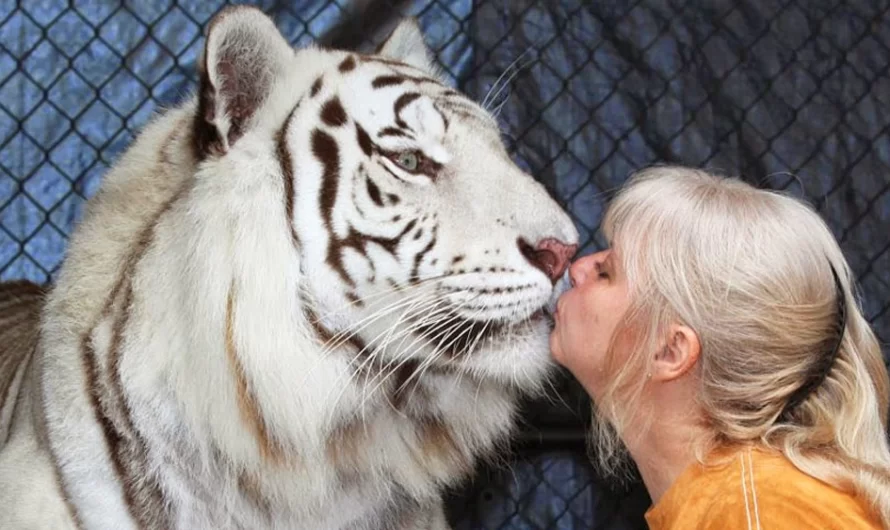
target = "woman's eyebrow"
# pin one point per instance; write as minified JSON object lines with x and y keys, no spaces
{"x":612,"y":263}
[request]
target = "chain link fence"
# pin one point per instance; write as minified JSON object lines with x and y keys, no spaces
{"x":792,"y":95}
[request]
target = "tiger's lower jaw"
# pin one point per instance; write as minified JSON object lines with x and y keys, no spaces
{"x":515,"y":355}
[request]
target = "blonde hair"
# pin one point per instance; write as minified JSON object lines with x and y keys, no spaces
{"x":748,"y":270}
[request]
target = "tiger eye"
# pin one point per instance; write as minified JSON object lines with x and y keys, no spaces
{"x":408,"y":160}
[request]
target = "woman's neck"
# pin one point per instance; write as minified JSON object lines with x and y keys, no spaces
{"x":665,"y":448}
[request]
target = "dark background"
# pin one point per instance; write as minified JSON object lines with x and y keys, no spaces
{"x":791,"y":95}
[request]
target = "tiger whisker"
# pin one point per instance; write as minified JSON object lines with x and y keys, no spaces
{"x":469,"y":350}
{"x":398,"y":289}
{"x":435,"y":307}
{"x":489,"y":97}
{"x":454,"y":324}
{"x":438,"y":351}
{"x":378,"y":350}
{"x":384,"y":372}
{"x":341,"y":337}
{"x":422,"y":336}
{"x":371,"y":358}
{"x":384,"y":376}
{"x":420,"y":323}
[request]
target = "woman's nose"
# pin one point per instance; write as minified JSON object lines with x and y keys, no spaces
{"x":580,"y":270}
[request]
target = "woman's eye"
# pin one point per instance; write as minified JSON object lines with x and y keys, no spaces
{"x":408,"y":160}
{"x":601,"y":272}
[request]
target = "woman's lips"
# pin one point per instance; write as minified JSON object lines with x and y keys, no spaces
{"x":562,"y":285}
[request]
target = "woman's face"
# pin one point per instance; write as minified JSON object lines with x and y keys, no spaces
{"x":586,"y":317}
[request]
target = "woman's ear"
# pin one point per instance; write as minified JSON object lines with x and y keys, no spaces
{"x":680,"y":354}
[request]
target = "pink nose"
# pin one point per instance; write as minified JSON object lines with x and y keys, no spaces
{"x":550,"y":255}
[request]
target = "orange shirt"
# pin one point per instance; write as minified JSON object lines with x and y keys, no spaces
{"x":757,"y":490}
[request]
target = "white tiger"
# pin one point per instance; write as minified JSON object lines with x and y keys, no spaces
{"x":309,"y":297}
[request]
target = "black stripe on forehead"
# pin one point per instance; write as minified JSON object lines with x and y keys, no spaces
{"x":386,"y":61}
{"x":347,"y":65}
{"x":394,"y":131}
{"x":316,"y":86}
{"x":388,"y":80}
{"x":400,"y":104}
{"x":333,"y":113}
{"x":405,"y":100}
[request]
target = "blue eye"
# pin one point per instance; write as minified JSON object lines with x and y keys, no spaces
{"x":408,"y":160}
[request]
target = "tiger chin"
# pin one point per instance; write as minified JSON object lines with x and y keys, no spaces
{"x":308,"y":297}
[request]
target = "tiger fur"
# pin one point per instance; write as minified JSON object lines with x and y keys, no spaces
{"x":308,"y":297}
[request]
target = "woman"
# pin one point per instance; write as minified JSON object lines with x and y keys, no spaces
{"x":722,"y":345}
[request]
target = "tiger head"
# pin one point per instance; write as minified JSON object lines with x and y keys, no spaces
{"x":418,"y":241}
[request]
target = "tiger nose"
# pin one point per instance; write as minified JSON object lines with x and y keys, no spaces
{"x":550,"y":255}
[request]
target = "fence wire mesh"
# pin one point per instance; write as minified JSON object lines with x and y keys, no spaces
{"x":792,"y":95}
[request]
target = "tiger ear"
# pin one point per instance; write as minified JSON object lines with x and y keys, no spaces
{"x":405,"y":44}
{"x":244,"y":54}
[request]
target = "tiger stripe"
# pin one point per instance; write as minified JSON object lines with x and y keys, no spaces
{"x":111,"y":435}
{"x":40,"y":428}
{"x":394,"y":131}
{"x":364,"y":140}
{"x":332,"y":113}
{"x":20,"y":303}
{"x":347,"y":65}
{"x":401,"y":376}
{"x":287,"y":174}
{"x":316,"y":87}
{"x":325,"y":336}
{"x":343,"y":447}
{"x":395,"y":79}
{"x":142,"y":491}
{"x":403,"y":101}
{"x":438,"y":443}
{"x":418,"y":258}
{"x":373,"y":192}
{"x":387,"y":80}
{"x":248,"y":405}
{"x":127,"y":450}
{"x":251,"y":485}
{"x":327,"y":151}
{"x":20,"y":306}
